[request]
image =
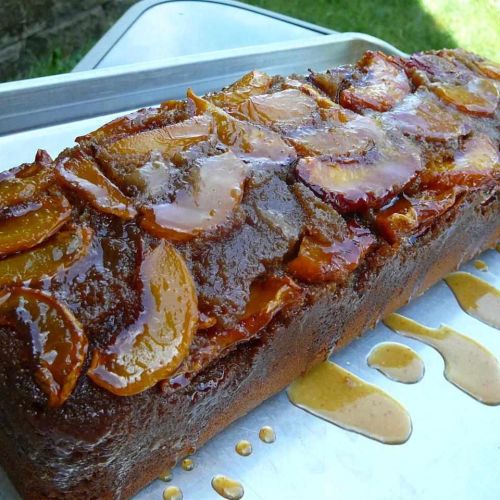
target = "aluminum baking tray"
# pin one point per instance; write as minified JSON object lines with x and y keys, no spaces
{"x":454,"y":450}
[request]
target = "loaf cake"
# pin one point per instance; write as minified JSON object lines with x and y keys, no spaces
{"x":183,"y":263}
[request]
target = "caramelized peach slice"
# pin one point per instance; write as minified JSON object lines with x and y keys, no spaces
{"x":489,"y":69}
{"x":58,"y":341}
{"x":268,"y":297}
{"x":152,"y":348}
{"x":209,"y":203}
{"x":351,"y":186}
{"x":476,"y":163}
{"x":478,"y":97}
{"x":288,"y":107}
{"x":57,"y":253}
{"x":251,"y":84}
{"x":245,"y":139}
{"x":167,"y":140}
{"x":44,"y":218}
{"x":80,"y":173}
{"x":423,"y":116}
{"x":29,"y":180}
{"x":383,"y":85}
{"x":411,"y":215}
{"x":318,"y":262}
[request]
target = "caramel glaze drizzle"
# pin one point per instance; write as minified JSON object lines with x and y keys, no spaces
{"x":338,"y":396}
{"x":468,"y":365}
{"x":476,"y":297}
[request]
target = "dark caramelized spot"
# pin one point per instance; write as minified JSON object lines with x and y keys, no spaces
{"x":320,"y":261}
{"x":475,"y":164}
{"x":478,"y":97}
{"x":209,"y":202}
{"x":384,"y":83}
{"x":58,"y":341}
{"x":80,"y":173}
{"x":41,"y":220}
{"x":56,"y":254}
{"x":155,"y":345}
{"x":411,"y":215}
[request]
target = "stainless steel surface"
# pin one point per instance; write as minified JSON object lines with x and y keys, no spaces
{"x":159,"y":29}
{"x":41,"y":102}
{"x":454,"y":451}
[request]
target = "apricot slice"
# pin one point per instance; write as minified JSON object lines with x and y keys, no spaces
{"x":58,"y":341}
{"x":478,"y":97}
{"x":267,"y":297}
{"x":245,"y":139}
{"x":216,"y":192}
{"x":29,"y":180}
{"x":422,"y":115}
{"x":475,"y":163}
{"x":352,"y":186}
{"x":250,"y":84}
{"x":80,"y":173}
{"x":289,"y":107}
{"x":43,"y":218}
{"x":156,"y":344}
{"x":383,"y":85}
{"x":57,"y":253}
{"x":319,"y":262}
{"x":167,"y":140}
{"x":411,"y":215}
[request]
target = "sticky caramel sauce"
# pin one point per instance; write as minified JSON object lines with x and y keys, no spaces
{"x":227,"y":487}
{"x":243,"y":448}
{"x":267,"y":435}
{"x":476,"y":297}
{"x":468,"y":365}
{"x":480,"y":265}
{"x":172,"y":493}
{"x":342,"y":398}
{"x":397,"y":362}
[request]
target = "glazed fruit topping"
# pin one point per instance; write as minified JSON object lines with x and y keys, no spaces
{"x":28,"y":181}
{"x":167,"y":140}
{"x":268,"y":296}
{"x":56,"y":254}
{"x":320,"y":261}
{"x":40,"y":220}
{"x":351,"y":185}
{"x":423,"y":116}
{"x":155,"y":345}
{"x":288,"y":107}
{"x":246,"y":140}
{"x":478,"y":97}
{"x":80,"y":173}
{"x":411,"y":215}
{"x":474,"y":164}
{"x":215,"y":192}
{"x":251,"y":84}
{"x":58,"y":341}
{"x":384,"y":83}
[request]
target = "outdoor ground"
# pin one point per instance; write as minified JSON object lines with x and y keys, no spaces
{"x":410,"y":25}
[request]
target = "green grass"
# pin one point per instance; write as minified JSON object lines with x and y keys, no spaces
{"x":410,"y":25}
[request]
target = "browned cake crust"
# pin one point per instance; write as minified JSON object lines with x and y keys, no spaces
{"x":87,"y":441}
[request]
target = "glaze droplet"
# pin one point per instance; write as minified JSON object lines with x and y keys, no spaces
{"x":227,"y":487}
{"x":187,"y":464}
{"x":243,"y":448}
{"x":172,"y":493}
{"x":166,"y":476}
{"x":267,"y":434}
